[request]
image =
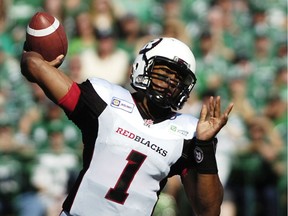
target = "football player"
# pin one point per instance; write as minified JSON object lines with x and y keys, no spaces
{"x":133,"y":142}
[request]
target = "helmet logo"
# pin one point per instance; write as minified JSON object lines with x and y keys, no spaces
{"x":148,"y":47}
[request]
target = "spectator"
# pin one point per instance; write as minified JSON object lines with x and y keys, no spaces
{"x":55,"y":164}
{"x":98,"y":61}
{"x":276,"y":110}
{"x":84,"y":37}
{"x":55,"y":8}
{"x":280,"y":82}
{"x":130,"y":31}
{"x":143,"y":9}
{"x":237,"y":90}
{"x":12,"y":167}
{"x":73,"y":8}
{"x":74,"y":68}
{"x":281,"y":53}
{"x":11,"y":84}
{"x":7,"y":43}
{"x":32,"y":127}
{"x":263,"y":74}
{"x":255,"y":178}
{"x":219,"y":28}
{"x":103,"y":14}
{"x":174,"y":27}
{"x":211,"y":67}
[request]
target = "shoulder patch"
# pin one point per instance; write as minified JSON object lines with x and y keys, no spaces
{"x":122,"y":104}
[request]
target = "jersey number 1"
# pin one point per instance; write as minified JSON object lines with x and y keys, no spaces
{"x":119,"y":192}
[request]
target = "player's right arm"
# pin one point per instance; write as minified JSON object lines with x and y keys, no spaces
{"x":54,"y":82}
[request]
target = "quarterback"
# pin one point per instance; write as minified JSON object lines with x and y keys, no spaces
{"x":133,"y":142}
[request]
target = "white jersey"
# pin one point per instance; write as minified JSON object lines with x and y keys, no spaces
{"x":127,"y":159}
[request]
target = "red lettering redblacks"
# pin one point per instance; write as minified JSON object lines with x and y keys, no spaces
{"x":142,"y":140}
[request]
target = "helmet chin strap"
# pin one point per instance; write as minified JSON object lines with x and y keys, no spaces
{"x":154,"y":107}
{"x":149,"y":109}
{"x":174,"y":103}
{"x":158,"y":100}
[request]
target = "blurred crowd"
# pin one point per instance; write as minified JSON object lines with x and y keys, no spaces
{"x":240,"y":48}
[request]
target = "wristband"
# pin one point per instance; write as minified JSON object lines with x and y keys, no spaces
{"x":204,"y":156}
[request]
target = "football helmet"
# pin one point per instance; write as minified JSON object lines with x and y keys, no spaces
{"x":178,"y":63}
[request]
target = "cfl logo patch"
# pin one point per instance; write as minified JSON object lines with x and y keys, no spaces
{"x":148,"y":122}
{"x":198,"y":155}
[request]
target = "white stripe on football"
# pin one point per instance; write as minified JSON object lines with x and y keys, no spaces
{"x":43,"y":32}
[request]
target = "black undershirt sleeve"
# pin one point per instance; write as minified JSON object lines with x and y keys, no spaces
{"x":89,"y":106}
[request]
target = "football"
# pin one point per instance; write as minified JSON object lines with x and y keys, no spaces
{"x":46,"y":36}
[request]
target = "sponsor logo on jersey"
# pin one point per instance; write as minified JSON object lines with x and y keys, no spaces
{"x":174,"y":129}
{"x":142,"y":141}
{"x":122,"y":104}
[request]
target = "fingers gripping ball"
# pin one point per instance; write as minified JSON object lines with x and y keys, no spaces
{"x":46,"y":36}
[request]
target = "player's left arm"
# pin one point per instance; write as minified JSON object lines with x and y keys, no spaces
{"x":204,"y":192}
{"x":202,"y":185}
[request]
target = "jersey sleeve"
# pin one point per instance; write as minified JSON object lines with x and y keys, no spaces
{"x":82,"y":104}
